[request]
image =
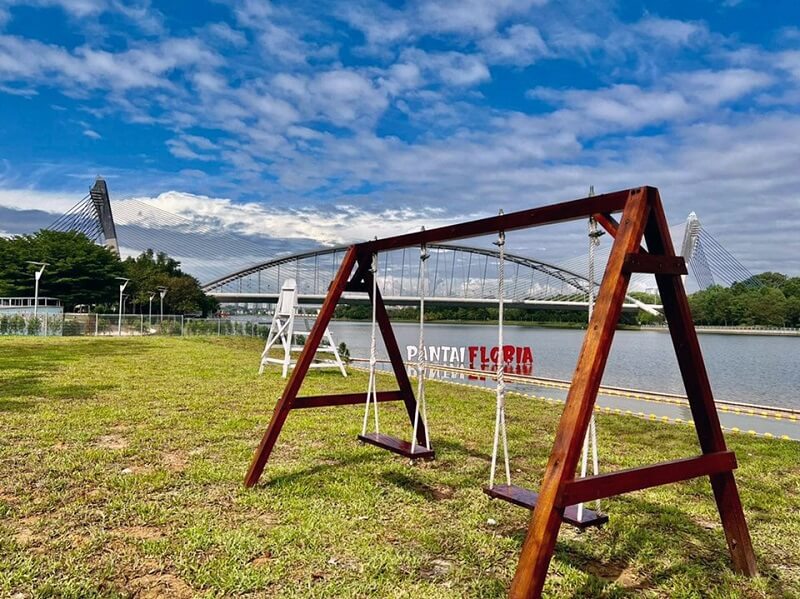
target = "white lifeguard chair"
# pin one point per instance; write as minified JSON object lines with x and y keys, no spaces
{"x":282,"y":331}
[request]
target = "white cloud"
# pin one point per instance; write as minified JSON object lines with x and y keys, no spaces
{"x":384,"y":27}
{"x":451,"y":68}
{"x":54,"y":202}
{"x":670,"y":31}
{"x":333,"y":225}
{"x":92,"y":134}
{"x":77,"y":8}
{"x":712,"y":88}
{"x":140,"y":13}
{"x":469,"y":16}
{"x":226,"y":33}
{"x":23,"y":59}
{"x":519,"y":45}
{"x":627,"y":107}
{"x":789,"y":61}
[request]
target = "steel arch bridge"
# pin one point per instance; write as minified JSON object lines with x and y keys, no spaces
{"x":457,"y":275}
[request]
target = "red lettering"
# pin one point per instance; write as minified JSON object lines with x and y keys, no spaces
{"x":508,"y":354}
{"x":527,"y":356}
{"x":473,"y":352}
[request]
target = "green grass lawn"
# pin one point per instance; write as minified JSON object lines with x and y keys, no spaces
{"x":121,"y":467}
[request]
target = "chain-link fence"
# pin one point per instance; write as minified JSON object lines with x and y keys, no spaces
{"x":137,"y":324}
{"x":27,"y":324}
{"x":112,"y":325}
{"x":224,"y":326}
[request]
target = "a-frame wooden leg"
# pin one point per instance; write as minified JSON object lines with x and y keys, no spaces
{"x":284,"y":404}
{"x":396,"y":359}
{"x":698,"y":391}
{"x":537,"y":550}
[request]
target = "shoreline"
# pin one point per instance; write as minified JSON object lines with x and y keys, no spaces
{"x":701,"y":330}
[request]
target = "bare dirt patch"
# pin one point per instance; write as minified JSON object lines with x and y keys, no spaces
{"x":155,"y":586}
{"x":624,"y":576}
{"x":440,"y":492}
{"x":111,"y":442}
{"x":437,"y":568}
{"x":262,"y":560}
{"x":175,"y":461}
{"x":25,"y":532}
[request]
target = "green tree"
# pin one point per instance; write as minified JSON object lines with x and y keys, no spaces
{"x":78,"y":272}
{"x":151,"y":270}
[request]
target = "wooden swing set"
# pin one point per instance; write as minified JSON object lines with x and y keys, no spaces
{"x":642,"y":219}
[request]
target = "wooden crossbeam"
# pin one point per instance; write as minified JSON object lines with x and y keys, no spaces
{"x":608,"y":222}
{"x":589,"y":488}
{"x":534,"y":217}
{"x":343,"y":399}
{"x":650,"y":263}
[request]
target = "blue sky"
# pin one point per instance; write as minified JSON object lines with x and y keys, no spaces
{"x":335,"y":121}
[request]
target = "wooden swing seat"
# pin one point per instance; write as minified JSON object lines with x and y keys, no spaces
{"x":527,"y":499}
{"x":398,"y":446}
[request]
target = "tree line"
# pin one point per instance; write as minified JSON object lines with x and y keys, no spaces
{"x":775,"y":302}
{"x":477,"y":314}
{"x":83,"y":274}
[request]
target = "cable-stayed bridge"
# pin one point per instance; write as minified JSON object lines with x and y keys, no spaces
{"x":238,"y":268}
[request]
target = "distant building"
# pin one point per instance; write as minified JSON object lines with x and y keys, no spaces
{"x":48,"y":306}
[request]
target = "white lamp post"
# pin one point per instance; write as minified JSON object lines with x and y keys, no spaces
{"x":150,"y":312}
{"x":37,"y":275}
{"x":162,"y":291}
{"x":122,"y":287}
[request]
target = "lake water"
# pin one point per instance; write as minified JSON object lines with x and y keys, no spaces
{"x":742,"y":368}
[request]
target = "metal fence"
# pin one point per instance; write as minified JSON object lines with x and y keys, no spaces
{"x":224,"y":326}
{"x":111,"y":325}
{"x":27,"y":324}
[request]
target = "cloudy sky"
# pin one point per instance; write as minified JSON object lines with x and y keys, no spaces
{"x":336,"y":121}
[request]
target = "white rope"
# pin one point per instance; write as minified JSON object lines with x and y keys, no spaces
{"x":590,"y":440}
{"x":422,"y":406}
{"x":500,"y":409}
{"x":372,"y":389}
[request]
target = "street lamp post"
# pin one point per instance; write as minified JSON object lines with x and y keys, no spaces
{"x":162,"y":291}
{"x":37,"y":275}
{"x":122,"y":287}
{"x":150,"y":312}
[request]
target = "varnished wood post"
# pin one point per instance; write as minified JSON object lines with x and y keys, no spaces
{"x":698,"y":391}
{"x":284,"y":404}
{"x":537,"y":550}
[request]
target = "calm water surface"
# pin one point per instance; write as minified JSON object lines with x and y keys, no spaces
{"x":753,"y":369}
